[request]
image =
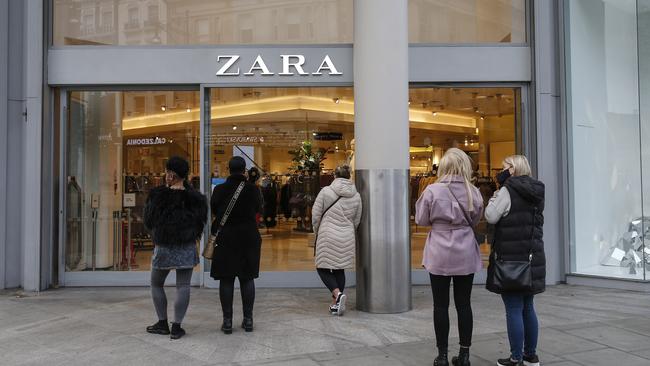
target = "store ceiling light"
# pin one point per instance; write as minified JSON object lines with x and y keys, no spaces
{"x":435,"y":114}
{"x":188,"y":110}
{"x":234,"y":128}
{"x":477,"y":130}
{"x":163,"y":108}
{"x":336,"y":100}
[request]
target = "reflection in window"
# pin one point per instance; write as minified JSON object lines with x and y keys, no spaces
{"x":285,"y":22}
{"x":117,"y":145}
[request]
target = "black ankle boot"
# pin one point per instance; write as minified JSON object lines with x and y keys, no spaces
{"x":226,"y":327}
{"x":247,"y":324}
{"x":177,"y":331}
{"x":162,"y":327}
{"x":461,"y":360}
{"x":441,"y":360}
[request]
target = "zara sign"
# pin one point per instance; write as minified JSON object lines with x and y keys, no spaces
{"x":291,"y":65}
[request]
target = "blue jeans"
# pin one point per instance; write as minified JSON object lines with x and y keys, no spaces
{"x":523,"y":328}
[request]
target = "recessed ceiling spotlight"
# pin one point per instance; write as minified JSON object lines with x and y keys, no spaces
{"x":188,"y":110}
{"x":234,"y":128}
{"x":336,"y":100}
{"x":435,"y":114}
{"x":163,"y":108}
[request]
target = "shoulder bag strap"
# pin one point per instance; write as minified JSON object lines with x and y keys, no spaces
{"x":469,"y":221}
{"x":321,"y":221}
{"x":231,"y":205}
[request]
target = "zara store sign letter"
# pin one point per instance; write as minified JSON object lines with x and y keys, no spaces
{"x":291,"y":65}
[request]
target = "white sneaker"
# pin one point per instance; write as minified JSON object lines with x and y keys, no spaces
{"x":334,"y":309}
{"x":340,"y":301}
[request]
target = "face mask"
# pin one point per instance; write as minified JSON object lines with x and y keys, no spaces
{"x":502,"y":176}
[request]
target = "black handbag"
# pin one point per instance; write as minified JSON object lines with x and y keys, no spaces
{"x":513,"y":276}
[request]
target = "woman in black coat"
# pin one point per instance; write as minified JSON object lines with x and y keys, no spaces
{"x":238,"y":251}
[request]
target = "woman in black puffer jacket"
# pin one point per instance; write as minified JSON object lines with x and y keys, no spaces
{"x":175,"y":214}
{"x":517,"y":210}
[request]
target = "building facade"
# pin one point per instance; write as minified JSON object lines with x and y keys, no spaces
{"x":98,"y":93}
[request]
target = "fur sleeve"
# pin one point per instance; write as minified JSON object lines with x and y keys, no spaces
{"x":152,"y":208}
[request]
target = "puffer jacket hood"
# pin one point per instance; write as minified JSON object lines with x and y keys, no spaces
{"x":528,"y":188}
{"x":343,"y":187}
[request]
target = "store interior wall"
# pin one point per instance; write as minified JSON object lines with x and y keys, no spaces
{"x":11,"y":165}
{"x":604,"y":104}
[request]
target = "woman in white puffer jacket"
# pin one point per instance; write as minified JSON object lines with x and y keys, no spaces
{"x":336,"y":215}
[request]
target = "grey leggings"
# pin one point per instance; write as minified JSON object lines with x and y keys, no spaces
{"x":183,"y":279}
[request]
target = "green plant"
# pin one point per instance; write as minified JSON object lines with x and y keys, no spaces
{"x":307,"y":158}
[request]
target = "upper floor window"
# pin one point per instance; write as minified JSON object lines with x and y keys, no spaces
{"x":280,"y":22}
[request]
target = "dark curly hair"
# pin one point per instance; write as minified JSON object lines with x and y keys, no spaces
{"x":179,"y":166}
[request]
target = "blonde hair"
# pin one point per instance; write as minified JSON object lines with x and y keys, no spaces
{"x":456,"y":162}
{"x":519,"y":163}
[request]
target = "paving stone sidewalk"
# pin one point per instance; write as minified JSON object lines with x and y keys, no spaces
{"x":105,"y":326}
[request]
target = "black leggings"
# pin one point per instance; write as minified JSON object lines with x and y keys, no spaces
{"x":227,"y":293}
{"x":332,"y":278}
{"x":462,"y":299}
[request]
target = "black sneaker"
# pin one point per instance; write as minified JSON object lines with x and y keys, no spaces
{"x":509,"y":362}
{"x":177,"y":332}
{"x":531,"y":360}
{"x":162,"y":327}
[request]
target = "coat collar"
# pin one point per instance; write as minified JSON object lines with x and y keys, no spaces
{"x":236,"y":178}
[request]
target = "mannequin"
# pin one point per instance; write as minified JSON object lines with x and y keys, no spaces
{"x":351,"y":160}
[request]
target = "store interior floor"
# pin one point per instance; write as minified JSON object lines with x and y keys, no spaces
{"x":285,"y":250}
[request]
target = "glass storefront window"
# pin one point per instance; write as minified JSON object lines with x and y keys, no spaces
{"x":467,"y":21}
{"x":481,"y":121}
{"x":264,"y":126}
{"x":184,"y":22}
{"x":117,"y":145}
{"x":193,"y":22}
{"x":608,"y":225}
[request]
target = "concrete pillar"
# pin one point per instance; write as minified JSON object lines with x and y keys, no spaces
{"x":31,"y":149}
{"x":382,"y":154}
{"x":549,"y":133}
{"x":4,"y":51}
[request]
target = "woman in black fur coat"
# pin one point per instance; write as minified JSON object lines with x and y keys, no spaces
{"x":175,"y":214}
{"x":238,"y":251}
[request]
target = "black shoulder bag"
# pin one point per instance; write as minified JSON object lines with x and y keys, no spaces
{"x":514,"y":276}
{"x":321,"y":221}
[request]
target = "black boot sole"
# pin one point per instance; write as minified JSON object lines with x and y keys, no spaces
{"x":177,"y":336}
{"x":226,"y":330}
{"x":158,"y":331}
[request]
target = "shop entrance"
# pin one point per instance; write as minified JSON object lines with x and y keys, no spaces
{"x":115,"y":144}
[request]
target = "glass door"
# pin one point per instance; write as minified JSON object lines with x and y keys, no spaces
{"x":294,"y":138}
{"x":114,"y":146}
